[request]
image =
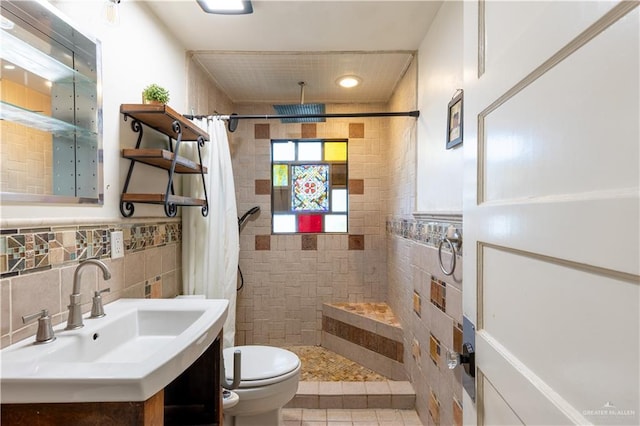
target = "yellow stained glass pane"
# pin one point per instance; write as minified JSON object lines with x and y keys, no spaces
{"x":335,"y":151}
{"x":280,"y":175}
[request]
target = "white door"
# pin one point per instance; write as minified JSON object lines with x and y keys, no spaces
{"x":551,"y":211}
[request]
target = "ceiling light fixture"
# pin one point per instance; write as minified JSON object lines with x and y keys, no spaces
{"x":349,"y":81}
{"x":226,"y":7}
{"x":111,"y":12}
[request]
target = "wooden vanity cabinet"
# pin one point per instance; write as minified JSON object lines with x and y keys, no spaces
{"x":194,"y":397}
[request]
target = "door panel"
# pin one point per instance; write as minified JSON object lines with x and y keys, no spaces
{"x":552,"y":210}
{"x":536,"y":28}
{"x":532,"y":158}
{"x":502,"y":414}
{"x":533,"y":316}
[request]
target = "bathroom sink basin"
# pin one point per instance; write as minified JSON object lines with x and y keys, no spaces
{"x":129,"y":355}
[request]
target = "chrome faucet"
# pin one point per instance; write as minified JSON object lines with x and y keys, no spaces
{"x":75,"y":311}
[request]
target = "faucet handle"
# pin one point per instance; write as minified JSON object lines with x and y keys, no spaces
{"x":97,"y":310}
{"x":45,"y":332}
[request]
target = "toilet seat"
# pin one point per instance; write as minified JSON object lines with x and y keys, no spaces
{"x":262,"y":365}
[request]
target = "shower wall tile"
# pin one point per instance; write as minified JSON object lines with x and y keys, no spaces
{"x":454,"y":302}
{"x":309,"y":130}
{"x":417,"y":304}
{"x":413,"y":269}
{"x":309,"y":242}
{"x":37,"y":267}
{"x":263,"y":187}
{"x":439,"y":294}
{"x":279,"y":270}
{"x":356,"y":186}
{"x":356,"y":130}
{"x":434,"y":408}
{"x":412,"y":260}
{"x":263,"y":242}
{"x":356,"y":242}
{"x":434,"y":350}
{"x":457,"y":338}
{"x":457,"y":413}
{"x":262,"y":131}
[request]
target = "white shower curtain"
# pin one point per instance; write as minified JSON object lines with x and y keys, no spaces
{"x":210,"y":245}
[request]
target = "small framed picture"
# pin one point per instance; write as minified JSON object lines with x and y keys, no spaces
{"x":454,"y":121}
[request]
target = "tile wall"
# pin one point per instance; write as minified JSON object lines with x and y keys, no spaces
{"x":367,"y":333}
{"x":37,"y":265}
{"x":427,"y":303}
{"x":289,"y":277}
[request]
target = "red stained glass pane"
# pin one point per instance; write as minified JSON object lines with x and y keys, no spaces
{"x":310,"y":223}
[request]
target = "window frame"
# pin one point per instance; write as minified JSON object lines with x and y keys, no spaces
{"x":296,"y":162}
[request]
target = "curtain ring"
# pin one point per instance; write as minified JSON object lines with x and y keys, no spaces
{"x":453,"y":257}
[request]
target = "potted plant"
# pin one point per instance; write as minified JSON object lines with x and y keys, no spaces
{"x":155,"y":94}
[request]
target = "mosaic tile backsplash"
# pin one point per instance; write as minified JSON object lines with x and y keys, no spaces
{"x":26,"y":250}
{"x":37,"y":266}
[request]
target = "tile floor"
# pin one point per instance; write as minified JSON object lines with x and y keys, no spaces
{"x":322,"y":365}
{"x":341,"y":417}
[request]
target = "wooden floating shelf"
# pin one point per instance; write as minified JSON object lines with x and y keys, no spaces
{"x":162,"y":158}
{"x":161,"y":118}
{"x":167,"y":121}
{"x":160,"y":199}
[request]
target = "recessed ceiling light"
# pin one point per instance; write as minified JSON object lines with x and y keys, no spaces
{"x":226,"y":7}
{"x":349,"y":81}
{"x":9,"y":67}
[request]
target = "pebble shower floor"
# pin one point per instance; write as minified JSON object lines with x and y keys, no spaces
{"x":322,"y":365}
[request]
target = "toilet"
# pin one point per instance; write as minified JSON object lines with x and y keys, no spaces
{"x":269,"y":379}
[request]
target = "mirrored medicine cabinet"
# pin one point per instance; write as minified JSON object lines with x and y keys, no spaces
{"x":51,"y":108}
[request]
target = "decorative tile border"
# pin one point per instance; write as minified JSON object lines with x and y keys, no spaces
{"x":309,"y":242}
{"x":439,"y":293}
{"x":425,"y":230}
{"x":434,"y":407}
{"x":434,"y":349}
{"x":417,"y":303}
{"x":367,"y":339}
{"x":457,"y":337}
{"x":25,"y":250}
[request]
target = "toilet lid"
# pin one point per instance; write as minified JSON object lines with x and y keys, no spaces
{"x":261,"y":362}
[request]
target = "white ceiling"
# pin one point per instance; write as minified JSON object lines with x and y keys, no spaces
{"x":261,"y":57}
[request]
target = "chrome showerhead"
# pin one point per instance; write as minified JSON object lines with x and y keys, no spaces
{"x":301,"y":109}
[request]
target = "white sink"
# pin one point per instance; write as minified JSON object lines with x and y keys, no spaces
{"x":129,"y":355}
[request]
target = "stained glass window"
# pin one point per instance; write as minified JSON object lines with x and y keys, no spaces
{"x":310,"y":151}
{"x":335,"y":223}
{"x":284,"y":223}
{"x":280,"y":175}
{"x":338,"y":200}
{"x":335,"y":151}
{"x":310,"y":223}
{"x":309,"y":191}
{"x":310,"y":188}
{"x":284,"y":151}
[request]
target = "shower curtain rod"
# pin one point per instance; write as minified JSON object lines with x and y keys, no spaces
{"x":233,"y":118}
